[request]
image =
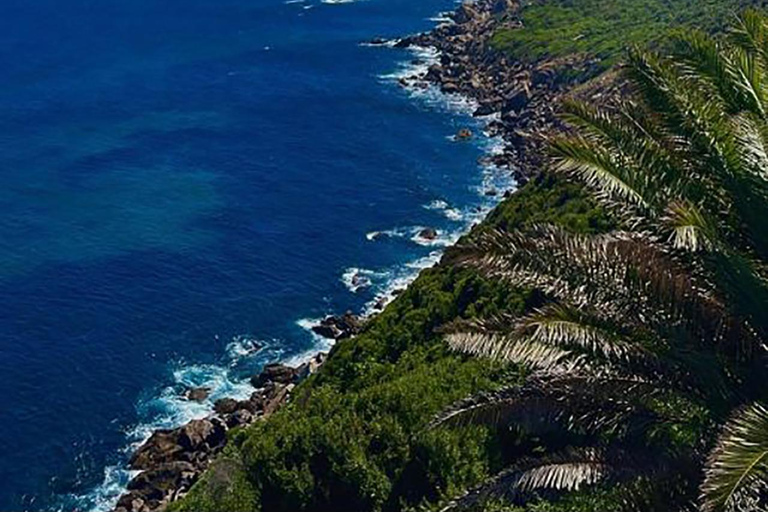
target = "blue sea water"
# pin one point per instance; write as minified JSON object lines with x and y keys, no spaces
{"x":183,"y":181}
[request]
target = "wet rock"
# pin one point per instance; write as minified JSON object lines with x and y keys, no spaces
{"x":193,"y":441}
{"x":226,"y":406}
{"x":491,"y":192}
{"x":197,"y":394}
{"x":339,"y":327}
{"x":428,"y":234}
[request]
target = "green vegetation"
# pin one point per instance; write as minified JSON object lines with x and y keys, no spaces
{"x":607,"y":321}
{"x":650,"y":334}
{"x":355,"y":436}
{"x":604,"y":28}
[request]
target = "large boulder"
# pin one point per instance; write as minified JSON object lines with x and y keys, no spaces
{"x":152,"y":489}
{"x":197,"y":394}
{"x":274,"y":372}
{"x":339,"y":327}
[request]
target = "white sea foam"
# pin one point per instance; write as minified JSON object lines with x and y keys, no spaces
{"x":168,"y":408}
{"x":243,"y":346}
{"x":443,"y":18}
{"x":320,"y":343}
{"x":443,"y":207}
{"x":356,"y":279}
{"x":338,"y":2}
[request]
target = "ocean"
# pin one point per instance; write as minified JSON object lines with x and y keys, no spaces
{"x":186,"y":187}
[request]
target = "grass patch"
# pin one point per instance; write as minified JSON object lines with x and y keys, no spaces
{"x":604,"y":28}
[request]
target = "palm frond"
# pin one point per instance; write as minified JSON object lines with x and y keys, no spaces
{"x":610,"y":180}
{"x":739,"y":462}
{"x":509,"y":348}
{"x":569,"y":470}
{"x":690,"y":230}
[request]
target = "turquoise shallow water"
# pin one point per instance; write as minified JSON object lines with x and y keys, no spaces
{"x":183,"y":181}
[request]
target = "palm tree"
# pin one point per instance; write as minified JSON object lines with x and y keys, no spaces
{"x":662,"y":317}
{"x":626,"y":328}
{"x":685,"y":158}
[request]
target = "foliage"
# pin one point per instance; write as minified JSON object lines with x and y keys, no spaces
{"x":683,"y":163}
{"x":604,"y":28}
{"x":355,"y":435}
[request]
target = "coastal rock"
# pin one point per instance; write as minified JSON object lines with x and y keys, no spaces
{"x":275,"y":372}
{"x":310,"y":367}
{"x":428,"y":234}
{"x":339,"y":327}
{"x":152,"y":489}
{"x":465,"y":13}
{"x":185,"y":443}
{"x":226,"y":406}
{"x":484,"y":109}
{"x":197,"y":394}
{"x":517,"y":101}
{"x":239,"y":418}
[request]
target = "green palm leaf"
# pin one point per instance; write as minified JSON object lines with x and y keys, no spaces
{"x":739,"y":462}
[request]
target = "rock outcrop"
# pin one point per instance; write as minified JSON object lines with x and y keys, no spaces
{"x":172,"y":460}
{"x":339,"y":327}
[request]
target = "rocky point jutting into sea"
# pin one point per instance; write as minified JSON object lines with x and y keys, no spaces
{"x":517,"y":98}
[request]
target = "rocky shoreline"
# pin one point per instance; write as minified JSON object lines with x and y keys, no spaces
{"x":172,"y":460}
{"x":519,"y":100}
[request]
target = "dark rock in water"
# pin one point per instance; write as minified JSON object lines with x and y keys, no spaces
{"x":464,"y":134}
{"x":339,"y":327}
{"x":226,"y":406}
{"x":197,"y":394}
{"x":428,"y":234}
{"x":491,"y":192}
{"x":275,"y":372}
{"x":434,"y":73}
{"x":380,"y":304}
{"x":397,"y":291}
{"x":405,"y":42}
{"x":377,"y":41}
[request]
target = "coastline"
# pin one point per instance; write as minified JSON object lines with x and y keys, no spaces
{"x":516,"y":104}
